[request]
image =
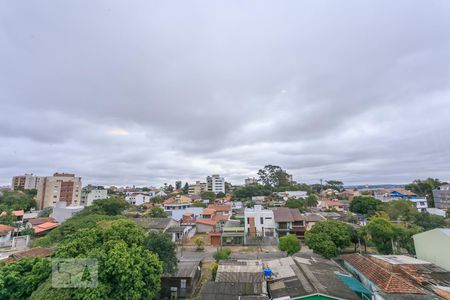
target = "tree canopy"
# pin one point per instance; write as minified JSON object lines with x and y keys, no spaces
{"x":17,"y":200}
{"x":274,"y":176}
{"x":161,"y":244}
{"x":364,"y":205}
{"x":289,"y":243}
{"x":157,"y":212}
{"x":425,"y":188}
{"x":325,"y":233}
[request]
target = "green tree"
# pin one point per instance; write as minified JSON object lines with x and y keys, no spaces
{"x":336,"y":231}
{"x":220,"y":195}
{"x":19,"y":279}
{"x":222,"y":254}
{"x":428,"y":221}
{"x":157,"y":212}
{"x":400,"y":210}
{"x":322,"y":244}
{"x":274,"y":176}
{"x":289,"y":244}
{"x":186,"y":188}
{"x":425,"y":188}
{"x":17,"y":200}
{"x":382,"y":233}
{"x":294,"y":203}
{"x":199,"y":242}
{"x":247,"y":192}
{"x":364,"y":205}
{"x":311,"y":201}
{"x":211,"y":196}
{"x":127,"y":270}
{"x":46,"y":212}
{"x":8,"y":219}
{"x":178,"y":185}
{"x":161,"y":244}
{"x":335,"y":185}
{"x":111,"y":206}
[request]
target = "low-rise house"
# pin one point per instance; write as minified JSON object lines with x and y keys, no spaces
{"x":30,"y":223}
{"x":15,"y":213}
{"x":397,"y":194}
{"x":259,"y":222}
{"x":309,"y":276}
{"x":436,"y":212}
{"x":211,"y":221}
{"x":292,"y":194}
{"x":44,"y":228}
{"x":434,"y":246}
{"x":138,"y":198}
{"x":311,"y":219}
{"x":183,"y":282}
{"x":178,"y":202}
{"x":6,"y":234}
{"x":178,"y":214}
{"x":289,"y":221}
{"x":240,"y":279}
{"x":333,"y":204}
{"x":381,"y":281}
{"x":232,"y":233}
{"x":61,"y":212}
{"x":34,"y":252}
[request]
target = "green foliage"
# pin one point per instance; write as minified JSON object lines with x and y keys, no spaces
{"x":334,"y":185}
{"x":211,"y":196}
{"x":157,"y":212}
{"x":400,"y":210}
{"x":17,"y":200}
{"x":428,"y":221}
{"x":46,"y":212}
{"x":186,"y":188}
{"x":328,"y":237}
{"x":311,"y":201}
{"x":382,"y":233}
{"x":222,"y":254}
{"x":8,"y":219}
{"x":199,"y":242}
{"x":161,"y":244}
{"x":425,"y":188}
{"x":289,"y":244}
{"x":198,"y":204}
{"x":28,"y":231}
{"x":111,"y":206}
{"x":294,"y":203}
{"x":337,"y":231}
{"x":274,"y":176}
{"x":322,"y":244}
{"x":46,"y":292}
{"x":251,"y":191}
{"x":220,"y":195}
{"x":127,"y":270}
{"x":364,"y":205}
{"x":19,"y":279}
{"x":214,"y":267}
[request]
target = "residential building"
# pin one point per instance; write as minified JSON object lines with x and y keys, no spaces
{"x":381,"y":281}
{"x":34,"y":252}
{"x":59,"y":187}
{"x":250,"y":181}
{"x":434,"y":246}
{"x":6,"y":234}
{"x":437,"y":212}
{"x":240,"y":279}
{"x":259,"y":222}
{"x":292,"y":194}
{"x":215,"y":184}
{"x":211,"y":220}
{"x":289,"y":221}
{"x":44,"y":228}
{"x":138,"y":198}
{"x":198,"y":188}
{"x":183,"y":283}
{"x":25,"y":182}
{"x":331,"y":204}
{"x":421,"y":203}
{"x":442,"y":197}
{"x":309,"y":276}
{"x":91,"y":193}
{"x":177,"y":214}
{"x":62,"y":212}
{"x":176,"y":203}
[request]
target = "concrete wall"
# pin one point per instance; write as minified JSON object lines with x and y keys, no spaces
{"x":433,"y":246}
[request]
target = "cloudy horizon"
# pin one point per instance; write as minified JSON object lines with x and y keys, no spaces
{"x":148,"y":92}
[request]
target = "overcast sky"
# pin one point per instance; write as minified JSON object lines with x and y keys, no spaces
{"x":147,"y":92}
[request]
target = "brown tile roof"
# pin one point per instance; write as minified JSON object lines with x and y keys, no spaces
{"x":5,"y":229}
{"x":209,"y":222}
{"x":38,"y":251}
{"x":385,"y":280}
{"x":284,"y":214}
{"x":38,"y":221}
{"x":208,"y":211}
{"x":314,"y":218}
{"x":45,"y":227}
{"x":223,"y":208}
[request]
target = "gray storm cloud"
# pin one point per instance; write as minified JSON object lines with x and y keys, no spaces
{"x":146,"y":92}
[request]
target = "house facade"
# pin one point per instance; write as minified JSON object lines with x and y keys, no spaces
{"x":259,"y":222}
{"x":442,"y":197}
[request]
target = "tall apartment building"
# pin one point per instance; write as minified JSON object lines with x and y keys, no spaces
{"x":215,"y":183}
{"x":250,"y":181}
{"x":59,"y":187}
{"x":197,"y":188}
{"x":25,"y":182}
{"x":91,"y":193}
{"x":442,"y":197}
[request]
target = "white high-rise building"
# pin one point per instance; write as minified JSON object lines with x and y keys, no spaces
{"x":215,"y":183}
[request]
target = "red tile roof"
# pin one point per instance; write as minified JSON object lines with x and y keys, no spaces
{"x":385,"y":280}
{"x":5,"y":229}
{"x":223,"y":208}
{"x":168,"y":201}
{"x":45,"y":227}
{"x":208,"y":211}
{"x":38,"y":221}
{"x":18,"y":213}
{"x":209,"y":222}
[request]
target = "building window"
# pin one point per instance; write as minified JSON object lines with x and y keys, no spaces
{"x":183,"y":283}
{"x":261,"y":220}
